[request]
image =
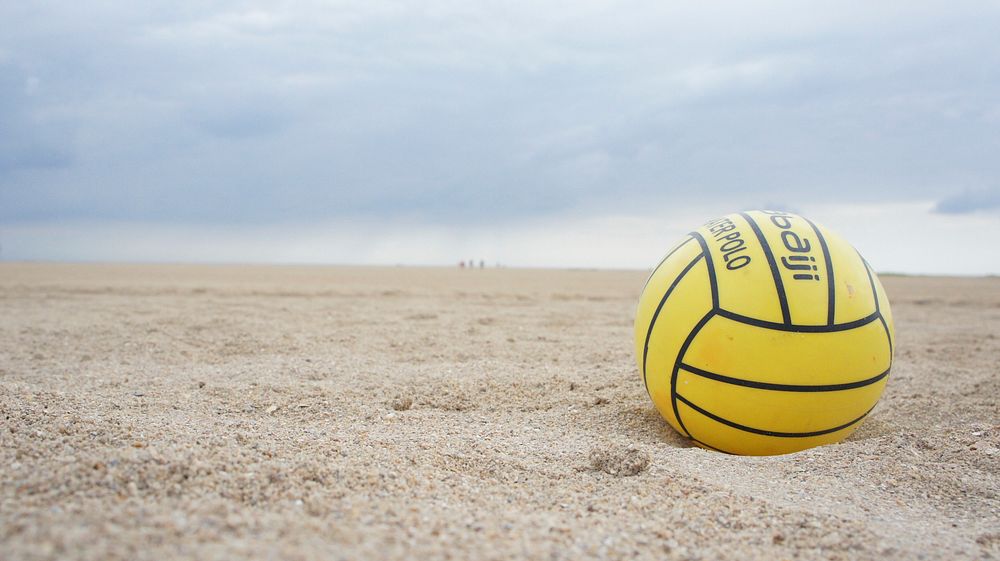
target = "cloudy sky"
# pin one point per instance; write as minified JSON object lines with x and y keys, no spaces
{"x":575,"y":133}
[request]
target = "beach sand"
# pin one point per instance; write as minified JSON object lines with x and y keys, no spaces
{"x":231,"y":412}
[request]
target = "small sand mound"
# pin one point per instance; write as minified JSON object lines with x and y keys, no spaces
{"x":402,"y":403}
{"x":619,"y":460}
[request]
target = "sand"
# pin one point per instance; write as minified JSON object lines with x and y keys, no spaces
{"x":160,"y":412}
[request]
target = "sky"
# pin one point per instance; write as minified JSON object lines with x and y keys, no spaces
{"x":559,"y":134}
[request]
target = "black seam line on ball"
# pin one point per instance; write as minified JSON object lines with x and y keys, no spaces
{"x":664,"y":260}
{"x":786,"y":315}
{"x":712,"y":447}
{"x":711,"y":268}
{"x":745,"y":428}
{"x":677,"y":364}
{"x":871,"y":280}
{"x":831,"y":287}
{"x":784,"y":387}
{"x":878,"y":308}
{"x":799,"y":328}
{"x":888,"y":336}
{"x":656,"y":314}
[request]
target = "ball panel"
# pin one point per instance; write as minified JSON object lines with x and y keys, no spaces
{"x":853,"y":296}
{"x":669,"y":254}
{"x":779,"y":411}
{"x":884,"y":308}
{"x":743,"y":272}
{"x":711,"y":433}
{"x":801,"y":262}
{"x":689,"y":301}
{"x":657,"y":286}
{"x":750,"y":352}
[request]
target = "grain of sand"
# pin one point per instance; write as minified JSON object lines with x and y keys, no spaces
{"x":161,"y":412}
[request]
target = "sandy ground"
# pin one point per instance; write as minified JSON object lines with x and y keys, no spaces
{"x":155,"y":412}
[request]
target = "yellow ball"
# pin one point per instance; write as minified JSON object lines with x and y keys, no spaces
{"x":763,"y":333}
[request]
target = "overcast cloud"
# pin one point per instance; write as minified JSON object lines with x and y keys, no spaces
{"x":426,"y":132}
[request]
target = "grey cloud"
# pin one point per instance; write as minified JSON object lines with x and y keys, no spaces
{"x":29,"y":139}
{"x":969,"y":201}
{"x":256,"y":114}
{"x":242,"y":120}
{"x":33,"y":157}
